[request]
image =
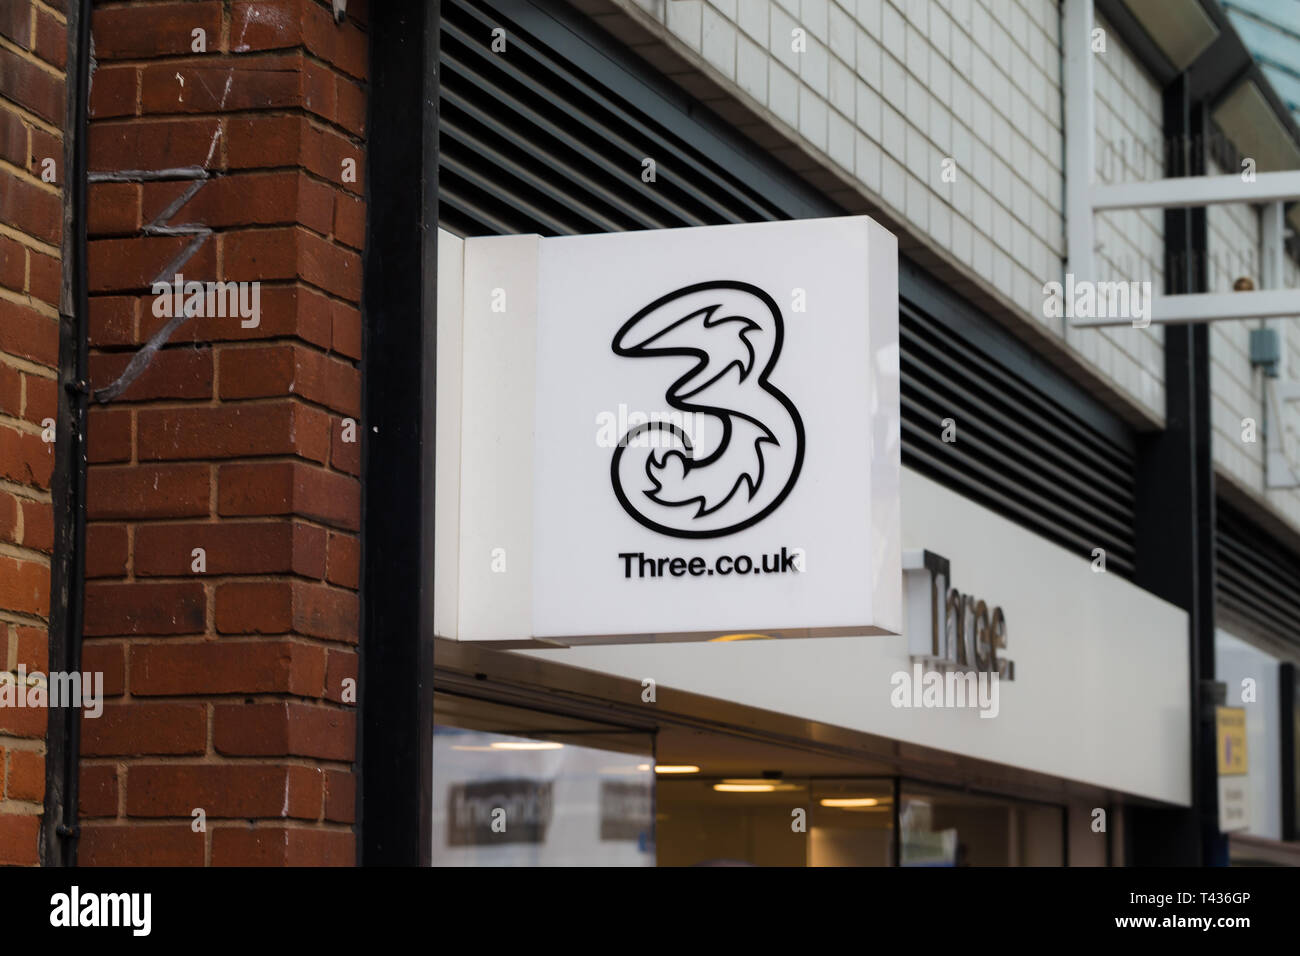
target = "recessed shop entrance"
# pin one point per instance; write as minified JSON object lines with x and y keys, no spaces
{"x":523,"y":786}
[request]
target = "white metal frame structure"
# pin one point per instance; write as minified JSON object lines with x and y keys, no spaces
{"x":1084,"y":198}
{"x":1278,"y":470}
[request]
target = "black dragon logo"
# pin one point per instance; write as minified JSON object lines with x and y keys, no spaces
{"x":731,"y":333}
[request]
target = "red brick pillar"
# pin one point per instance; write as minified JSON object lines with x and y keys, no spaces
{"x":33,"y":52}
{"x":224,"y":499}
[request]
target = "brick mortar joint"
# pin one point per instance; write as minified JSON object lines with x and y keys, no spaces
{"x":58,"y":16}
{"x":276,"y":577}
{"x":25,"y":175}
{"x":219,"y":347}
{"x":310,"y":113}
{"x":24,"y":745}
{"x":39,"y":245}
{"x":12,"y":807}
{"x":180,"y":404}
{"x":37,"y":122}
{"x":26,"y":553}
{"x":227,"y":58}
{"x":229,"y":761}
{"x":31,"y":56}
{"x":124,"y":821}
{"x":27,"y":367}
{"x":22,"y":620}
{"x":43,"y":309}
{"x":22,"y":425}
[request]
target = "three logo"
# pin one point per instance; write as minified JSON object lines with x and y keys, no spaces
{"x":727,"y":339}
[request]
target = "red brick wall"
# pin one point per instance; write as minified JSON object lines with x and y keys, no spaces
{"x":226,"y":686}
{"x":33,"y":49}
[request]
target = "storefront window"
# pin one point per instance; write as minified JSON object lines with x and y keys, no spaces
{"x":517,"y":787}
{"x":1252,"y":681}
{"x":853,"y":823}
{"x":941,"y":827}
{"x":775,"y":822}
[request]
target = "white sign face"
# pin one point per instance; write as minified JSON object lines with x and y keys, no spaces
{"x":678,"y":434}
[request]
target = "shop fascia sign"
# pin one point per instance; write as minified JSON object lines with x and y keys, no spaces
{"x":683,"y":434}
{"x":947,"y":629}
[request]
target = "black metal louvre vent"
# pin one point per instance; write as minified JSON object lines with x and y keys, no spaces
{"x":531,"y":143}
{"x":550,"y":137}
{"x":1017,"y":451}
{"x":1257,"y":579}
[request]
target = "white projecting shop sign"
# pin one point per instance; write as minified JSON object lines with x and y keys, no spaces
{"x":681,"y":434}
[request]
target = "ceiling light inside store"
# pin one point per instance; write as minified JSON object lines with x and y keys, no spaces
{"x":1181,"y":28}
{"x":756,"y":786}
{"x":527,"y":745}
{"x":853,"y":803}
{"x":676,"y":768}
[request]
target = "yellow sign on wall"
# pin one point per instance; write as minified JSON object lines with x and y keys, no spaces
{"x":1231,"y":725}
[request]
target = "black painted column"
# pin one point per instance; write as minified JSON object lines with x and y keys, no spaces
{"x":399,"y":298}
{"x":1176,"y":510}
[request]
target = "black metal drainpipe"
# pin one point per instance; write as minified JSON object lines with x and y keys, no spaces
{"x":60,"y":828}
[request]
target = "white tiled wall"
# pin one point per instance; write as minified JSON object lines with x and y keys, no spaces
{"x":1129,"y":244}
{"x":889,"y":89}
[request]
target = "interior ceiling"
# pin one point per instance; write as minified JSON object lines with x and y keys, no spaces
{"x":724,"y":755}
{"x":675,"y":793}
{"x":715,"y":753}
